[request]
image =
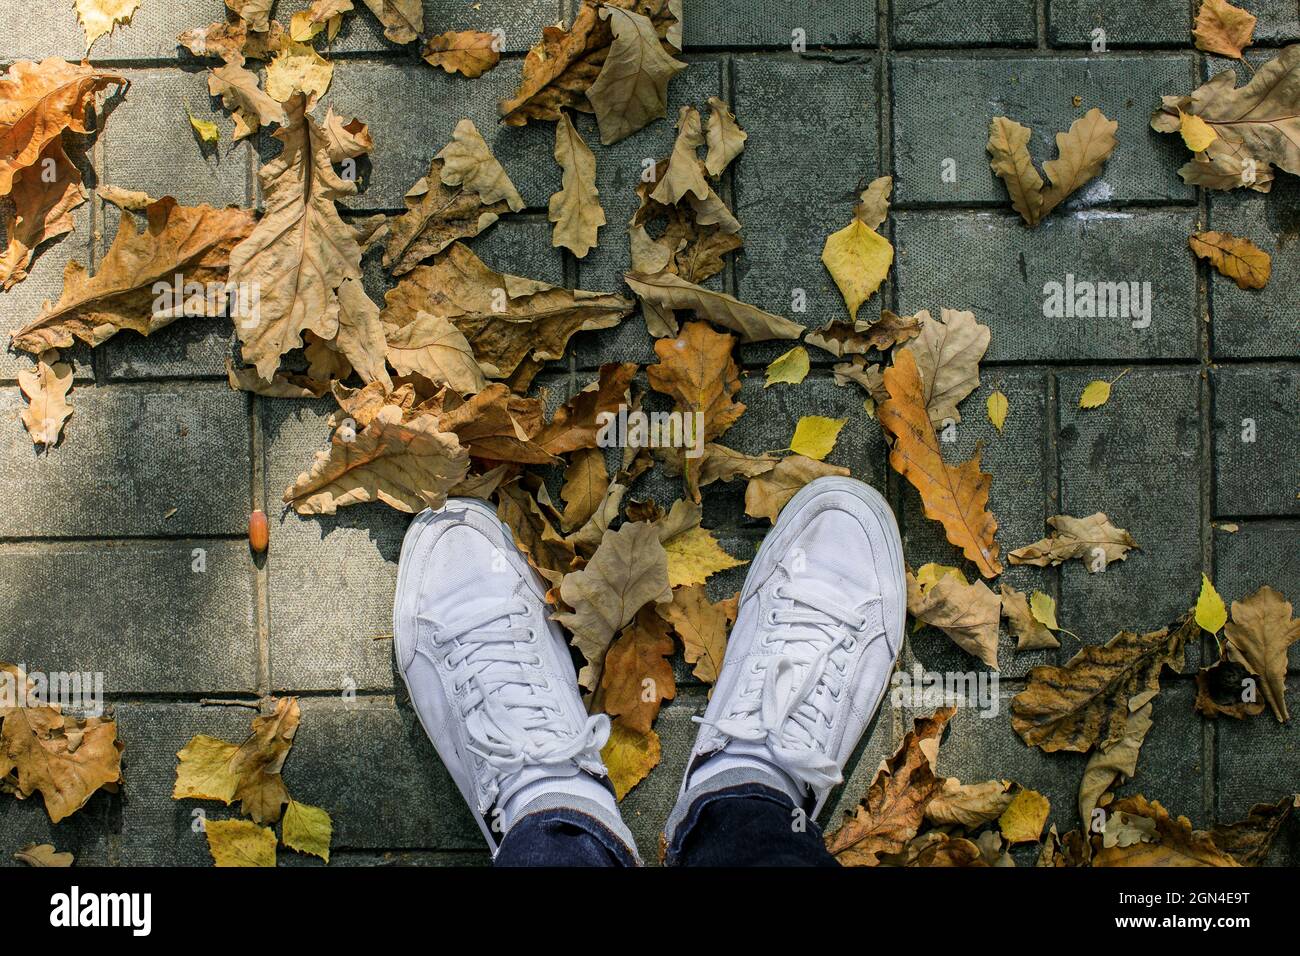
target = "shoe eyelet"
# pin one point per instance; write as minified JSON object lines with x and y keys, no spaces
{"x":771,"y":618}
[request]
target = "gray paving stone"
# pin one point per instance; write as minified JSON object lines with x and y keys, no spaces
{"x":791,"y":199}
{"x":1171,"y":764}
{"x":330,"y":577}
{"x":1256,"y":440}
{"x":1258,"y":323}
{"x":371,"y":766}
{"x":152,"y":617}
{"x":1020,"y":463}
{"x":407,"y":138}
{"x":1137,"y":458}
{"x":1259,"y":762}
{"x":943,"y":107}
{"x":1279,"y":21}
{"x":737,"y":24}
{"x":34,"y":37}
{"x":521,"y":20}
{"x":23,"y":302}
{"x":1258,"y":553}
{"x":188,"y":348}
{"x":959,"y":23}
{"x":1155,"y":23}
{"x":86,"y":834}
{"x":150,"y":146}
{"x":1006,"y":269}
{"x":134,"y":461}
{"x":618,"y":173}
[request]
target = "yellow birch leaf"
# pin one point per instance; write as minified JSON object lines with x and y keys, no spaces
{"x":998,"y":406}
{"x":629,"y":756}
{"x":206,"y":129}
{"x":240,"y":843}
{"x":1211,"y":615}
{"x":1095,"y":394}
{"x":790,"y":368}
{"x":815,"y":436}
{"x":1022,"y":821}
{"x":858,"y":259}
{"x":694,"y":555}
{"x":1043,"y":608}
{"x":307,"y":829}
{"x":1197,"y":133}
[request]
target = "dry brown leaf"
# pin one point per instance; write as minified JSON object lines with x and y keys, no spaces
{"x":684,"y":174}
{"x":873,"y":204}
{"x":1080,"y":153}
{"x":1086,"y":702}
{"x":1222,"y":28}
{"x":1115,"y":763}
{"x":467,"y":161}
{"x":849,"y":338}
{"x":702,"y":627}
{"x":43,"y":197}
{"x":967,"y":613}
{"x":433,"y":347}
{"x":281,"y":386}
{"x":1235,"y":257}
{"x":129,"y":200}
{"x":248,"y":104}
{"x":575,"y":209}
{"x":297,"y":69}
{"x":256,"y":12}
{"x":468,"y":52}
{"x":322,"y":16}
{"x":969,"y":805}
{"x":496,"y":424}
{"x":577,"y":422}
{"x":1258,"y":636}
{"x":1248,"y":841}
{"x":628,"y":571}
{"x":669,"y":291}
{"x":194,"y":242}
{"x":506,"y":319}
{"x":346,"y":140}
{"x":99,"y":17}
{"x":233,"y":41}
{"x":1173,"y":841}
{"x":1029,"y":632}
{"x":409,"y":465}
{"x":948,"y":354}
{"x":403,"y":20}
{"x":894,"y":806}
{"x":43,"y":854}
{"x":436,"y":216}
{"x":767,"y":493}
{"x":637,"y":675}
{"x":724,"y":136}
{"x":535,"y":536}
{"x":956,"y":497}
{"x":1008,"y":148}
{"x":720,"y":463}
{"x":46,"y":388}
{"x":585,"y":484}
{"x":631,"y":88}
{"x":1092,"y":539}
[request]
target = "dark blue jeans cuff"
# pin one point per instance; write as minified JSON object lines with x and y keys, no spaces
{"x":750,"y":791}
{"x":562,"y":836}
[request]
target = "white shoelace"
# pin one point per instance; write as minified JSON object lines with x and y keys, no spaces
{"x":510,"y":725}
{"x":790,"y":715}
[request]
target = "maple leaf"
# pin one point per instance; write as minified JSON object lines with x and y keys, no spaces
{"x":403,"y":20}
{"x":575,"y":209}
{"x":1258,"y":636}
{"x":507,"y":319}
{"x":1093,"y":539}
{"x":46,"y":388}
{"x":1235,"y":257}
{"x":300,"y":252}
{"x":240,"y":843}
{"x":858,"y":259}
{"x":195,"y":242}
{"x":948,"y":354}
{"x":307,"y":829}
{"x":1222,"y":28}
{"x":767,"y":493}
{"x":893,"y":808}
{"x":637,"y":675}
{"x":468,"y":52}
{"x":702,"y":626}
{"x":967,"y":613}
{"x":724,"y":137}
{"x":956,"y":497}
{"x":629,"y":756}
{"x":1171,"y":841}
{"x":1256,"y":125}
{"x":576,"y":423}
{"x":1029,"y":632}
{"x":64,"y":759}
{"x":1085,"y":703}
{"x":632,"y":86}
{"x":408,"y":465}
{"x":628,"y":571}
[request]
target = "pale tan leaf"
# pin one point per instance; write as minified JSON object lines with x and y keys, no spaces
{"x":240,"y":94}
{"x":575,"y":209}
{"x":724,"y":136}
{"x":468,"y":52}
{"x":967,"y":613}
{"x":767,"y":493}
{"x":702,"y":626}
{"x":1029,"y":632}
{"x":948,"y":353}
{"x":673,"y":292}
{"x":632,"y":86}
{"x":433,"y":347}
{"x":1009,"y":148}
{"x":403,"y":20}
{"x":99,"y":17}
{"x":1258,"y":636}
{"x":873,"y":204}
{"x":468,"y":161}
{"x":684,"y":175}
{"x":1081,"y":152}
{"x":1222,"y":28}
{"x":1092,"y":539}
{"x":46,"y":388}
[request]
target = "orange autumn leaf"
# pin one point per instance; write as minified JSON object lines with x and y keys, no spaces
{"x":955,"y":496}
{"x":637,"y":674}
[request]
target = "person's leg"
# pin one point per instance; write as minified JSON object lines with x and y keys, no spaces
{"x":819,"y":627}
{"x":491,"y":679}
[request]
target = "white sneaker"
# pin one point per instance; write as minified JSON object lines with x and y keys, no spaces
{"x":819,"y":628}
{"x":489,"y":674}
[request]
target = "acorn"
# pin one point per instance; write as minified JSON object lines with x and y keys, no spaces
{"x":259,"y":533}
